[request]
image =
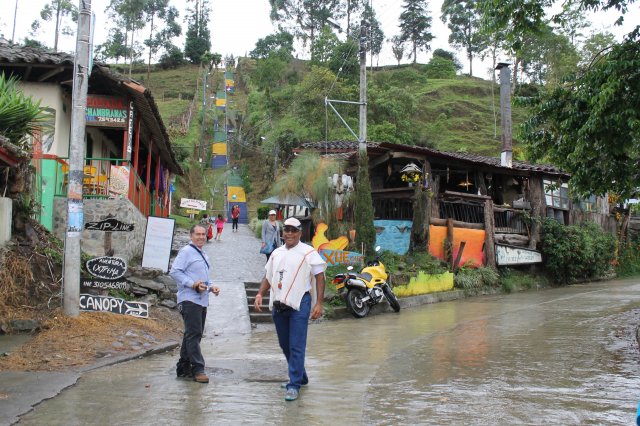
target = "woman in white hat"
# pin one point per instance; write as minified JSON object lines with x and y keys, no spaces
{"x":270,"y":234}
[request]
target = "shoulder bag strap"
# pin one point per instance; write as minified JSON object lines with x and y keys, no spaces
{"x":200,"y":252}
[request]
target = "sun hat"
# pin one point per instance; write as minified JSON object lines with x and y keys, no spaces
{"x":271,"y":212}
{"x":292,"y":221}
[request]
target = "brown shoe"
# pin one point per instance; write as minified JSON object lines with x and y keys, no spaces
{"x":201,"y":378}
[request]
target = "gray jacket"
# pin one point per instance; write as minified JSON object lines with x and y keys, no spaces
{"x":270,"y":234}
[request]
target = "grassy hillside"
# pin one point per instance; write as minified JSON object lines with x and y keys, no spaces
{"x":460,"y":115}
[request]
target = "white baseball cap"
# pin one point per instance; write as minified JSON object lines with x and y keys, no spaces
{"x":271,"y":212}
{"x":292,"y":221}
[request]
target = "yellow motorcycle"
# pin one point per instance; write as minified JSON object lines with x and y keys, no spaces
{"x":367,"y":288}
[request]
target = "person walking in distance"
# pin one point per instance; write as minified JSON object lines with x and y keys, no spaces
{"x":235,"y":215}
{"x":270,"y":234}
{"x":220,"y":220}
{"x":190,"y":270}
{"x":295,"y":277}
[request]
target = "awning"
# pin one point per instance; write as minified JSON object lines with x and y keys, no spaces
{"x":288,"y":200}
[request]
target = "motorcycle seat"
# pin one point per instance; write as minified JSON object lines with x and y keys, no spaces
{"x":366,"y":276}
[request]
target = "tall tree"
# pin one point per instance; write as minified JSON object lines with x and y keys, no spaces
{"x":159,"y":10}
{"x":397,"y":47}
{"x":463,"y":19}
{"x":61,"y":11}
{"x":415,"y":26}
{"x":198,"y":40}
{"x":128,"y":14}
{"x":115,"y":47}
{"x":375,"y":34}
{"x":305,"y":19}
{"x":595,"y":45}
{"x":351,"y":8}
{"x":280,"y":44}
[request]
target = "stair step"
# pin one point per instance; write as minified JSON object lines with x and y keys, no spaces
{"x":260,"y":317}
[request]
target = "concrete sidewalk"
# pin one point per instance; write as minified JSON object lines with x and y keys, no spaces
{"x":235,"y":259}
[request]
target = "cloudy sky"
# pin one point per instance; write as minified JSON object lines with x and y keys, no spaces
{"x":236,"y":25}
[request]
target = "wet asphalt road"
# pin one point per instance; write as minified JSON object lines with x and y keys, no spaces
{"x":559,"y":356}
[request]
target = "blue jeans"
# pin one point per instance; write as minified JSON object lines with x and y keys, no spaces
{"x":194,"y":317}
{"x":291,"y":326}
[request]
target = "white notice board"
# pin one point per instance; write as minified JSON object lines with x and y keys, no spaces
{"x":157,"y":243}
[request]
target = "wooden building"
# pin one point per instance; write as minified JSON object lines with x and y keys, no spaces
{"x":472,"y":198}
{"x":129,"y":161}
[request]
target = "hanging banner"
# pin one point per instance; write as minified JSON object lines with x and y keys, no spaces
{"x":189,"y":203}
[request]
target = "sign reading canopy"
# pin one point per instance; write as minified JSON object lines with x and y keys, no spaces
{"x":158,"y":239}
{"x":114,"y":305}
{"x":106,"y":111}
{"x":506,"y":255}
{"x":188,"y":203}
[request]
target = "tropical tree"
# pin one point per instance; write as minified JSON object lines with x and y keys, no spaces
{"x":323,"y":46}
{"x":594,"y":45}
{"x":308,"y":177}
{"x":415,"y":26}
{"x":450,"y":56}
{"x":463,"y":19}
{"x":160,"y":10}
{"x":590,"y":125}
{"x":61,"y":11}
{"x":20,"y":115}
{"x":198,"y":39}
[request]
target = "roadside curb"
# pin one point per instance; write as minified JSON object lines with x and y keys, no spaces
{"x":164,"y":347}
{"x":22,"y":391}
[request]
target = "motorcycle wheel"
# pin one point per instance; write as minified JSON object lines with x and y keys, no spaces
{"x":358,"y":308}
{"x":393,"y":300}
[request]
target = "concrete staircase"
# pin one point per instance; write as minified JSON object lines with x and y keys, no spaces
{"x":257,"y":317}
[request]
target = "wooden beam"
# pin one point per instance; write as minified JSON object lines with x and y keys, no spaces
{"x":411,"y":155}
{"x":456,"y":223}
{"x":48,"y":75}
{"x":379,"y":160}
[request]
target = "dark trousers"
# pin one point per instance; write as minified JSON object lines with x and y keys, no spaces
{"x":235,"y":223}
{"x":291,"y":326}
{"x":194,"y":316}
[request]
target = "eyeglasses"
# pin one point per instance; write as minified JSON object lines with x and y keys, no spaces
{"x":290,"y":229}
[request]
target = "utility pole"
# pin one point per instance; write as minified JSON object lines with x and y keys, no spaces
{"x":15,"y":14}
{"x":75,"y":206}
{"x":362,"y":138}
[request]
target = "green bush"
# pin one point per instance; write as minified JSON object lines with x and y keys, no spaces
{"x":440,"y":68}
{"x":629,"y":260}
{"x":263,"y":212}
{"x":511,"y":279}
{"x":475,"y":279}
{"x":577,"y":252}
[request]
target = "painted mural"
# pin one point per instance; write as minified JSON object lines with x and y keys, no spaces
{"x":473,"y":254}
{"x":393,"y":235}
{"x":332,"y":251}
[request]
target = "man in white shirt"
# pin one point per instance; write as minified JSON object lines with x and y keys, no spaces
{"x":295,"y":276}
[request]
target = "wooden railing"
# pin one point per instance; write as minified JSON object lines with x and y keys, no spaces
{"x":104,"y":178}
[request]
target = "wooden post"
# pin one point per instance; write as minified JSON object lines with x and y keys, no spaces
{"x":456,"y":264}
{"x":448,"y":243}
{"x":147,"y":193}
{"x":480,"y":183}
{"x":489,"y":230}
{"x":157,"y":198}
{"x":536,"y":198}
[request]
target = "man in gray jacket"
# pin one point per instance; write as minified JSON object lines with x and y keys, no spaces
{"x":190,"y":269}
